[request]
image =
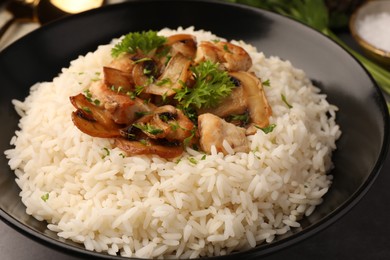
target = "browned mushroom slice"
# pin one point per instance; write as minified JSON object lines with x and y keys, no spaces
{"x":231,"y":56}
{"x":148,"y":148}
{"x":93,"y":120}
{"x":122,"y":108}
{"x":214,"y":130}
{"x":258,"y":107}
{"x":235,"y":103}
{"x":144,"y":71}
{"x":182,"y":43}
{"x":123,"y":63}
{"x":174,"y":75}
{"x":118,"y":79}
{"x":166,"y":122}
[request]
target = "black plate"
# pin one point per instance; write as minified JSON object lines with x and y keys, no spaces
{"x":363,"y":115}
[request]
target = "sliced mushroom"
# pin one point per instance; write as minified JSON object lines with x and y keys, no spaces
{"x":123,"y":63}
{"x":214,"y":130}
{"x":168,"y":123}
{"x":174,"y":75}
{"x":93,"y":120}
{"x":122,"y":108}
{"x":235,"y":103}
{"x":147,"y":147}
{"x":184,"y":44}
{"x":118,"y":79}
{"x":232,"y":57}
{"x":145,"y":71}
{"x":258,"y":107}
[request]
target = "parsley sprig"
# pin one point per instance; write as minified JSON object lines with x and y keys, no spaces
{"x":211,"y":85}
{"x":134,"y":42}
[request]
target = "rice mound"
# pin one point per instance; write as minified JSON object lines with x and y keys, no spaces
{"x":148,"y":207}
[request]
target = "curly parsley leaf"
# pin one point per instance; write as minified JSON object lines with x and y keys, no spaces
{"x":134,"y":42}
{"x":211,"y":86}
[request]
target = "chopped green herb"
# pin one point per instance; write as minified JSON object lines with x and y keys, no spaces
{"x":203,"y":157}
{"x":143,"y":141}
{"x":266,"y":83}
{"x":131,"y":94}
{"x":226,"y":48}
{"x":107,"y":152}
{"x":96,"y":102}
{"x":122,"y":155}
{"x":187,"y":140}
{"x":174,"y":125}
{"x":192,"y":160}
{"x":87,"y":109}
{"x":134,"y":42}
{"x":45,"y":197}
{"x":267,"y":129}
{"x":142,"y":113}
{"x":163,"y":81}
{"x":139,"y":89}
{"x":148,"y":128}
{"x":285,"y":101}
{"x":243,"y":118}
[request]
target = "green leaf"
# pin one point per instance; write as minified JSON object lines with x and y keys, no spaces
{"x":45,"y":197}
{"x":211,"y":86}
{"x":134,"y":42}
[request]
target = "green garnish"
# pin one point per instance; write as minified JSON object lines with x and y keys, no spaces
{"x":211,"y":86}
{"x":143,"y":141}
{"x":192,"y":160}
{"x":187,"y":140}
{"x":163,"y":81}
{"x":203,"y":157}
{"x":148,"y":128}
{"x":134,"y":42}
{"x":266,"y":83}
{"x":267,"y":129}
{"x":45,"y":197}
{"x":243,"y":118}
{"x":226,"y":48}
{"x":285,"y":101}
{"x":87,"y":109}
{"x":107,"y":152}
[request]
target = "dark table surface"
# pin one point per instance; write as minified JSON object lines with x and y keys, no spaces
{"x":363,"y":233}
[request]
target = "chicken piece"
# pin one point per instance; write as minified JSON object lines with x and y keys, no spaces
{"x":258,"y":107}
{"x":122,"y":108}
{"x":232,"y":57}
{"x":214,"y":130}
{"x":176,"y":72}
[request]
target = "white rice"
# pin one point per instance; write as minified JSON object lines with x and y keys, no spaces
{"x":198,"y":206}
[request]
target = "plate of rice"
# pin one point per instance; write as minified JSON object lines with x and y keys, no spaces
{"x":110,"y":154}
